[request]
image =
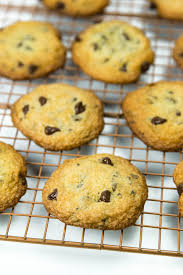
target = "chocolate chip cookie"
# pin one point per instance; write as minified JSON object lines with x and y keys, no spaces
{"x":30,"y":49}
{"x":77,"y":7}
{"x":171,"y":9}
{"x":178,"y":179}
{"x":178,"y":51}
{"x":113,"y":51}
{"x":155,"y":114}
{"x":100,"y":191}
{"x":59,"y":116}
{"x":13,"y":171}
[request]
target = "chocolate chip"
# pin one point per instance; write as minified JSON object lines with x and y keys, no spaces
{"x":95,"y":46}
{"x":25,"y":109}
{"x":78,"y":164}
{"x":106,"y":60}
{"x":124,"y":68}
{"x":19,"y":45}
{"x":153,"y":6}
{"x":119,"y":195}
{"x":144,"y":67}
{"x":20,"y":64}
{"x":114,"y":187}
{"x":180,"y":188}
{"x":105,"y":196}
{"x":53,"y":195}
{"x":23,"y":179}
{"x":126,"y":36}
{"x":98,"y":21}
{"x":33,"y":69}
{"x":79,"y":108}
{"x":74,"y":99}
{"x":178,"y":113}
{"x":181,"y":54}
{"x":60,"y":5}
{"x":158,"y":120}
{"x":78,"y":38}
{"x":170,"y":92}
{"x":42,"y":100}
{"x":51,"y":130}
{"x":132,"y":192}
{"x":107,"y":161}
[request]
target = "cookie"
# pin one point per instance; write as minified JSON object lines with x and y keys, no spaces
{"x":178,"y":51}
{"x":100,"y":191}
{"x":112,"y":51}
{"x":59,"y":116}
{"x":168,"y":8}
{"x":77,"y":7}
{"x":178,"y":179}
{"x":29,"y":50}
{"x":155,"y":114}
{"x":13,"y":171}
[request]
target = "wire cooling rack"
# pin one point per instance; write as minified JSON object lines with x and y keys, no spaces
{"x":159,"y":230}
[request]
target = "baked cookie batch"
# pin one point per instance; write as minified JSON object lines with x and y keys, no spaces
{"x":101,"y":191}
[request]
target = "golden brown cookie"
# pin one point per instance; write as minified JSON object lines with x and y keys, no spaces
{"x":171,"y":9}
{"x":77,"y":7}
{"x":178,"y":51}
{"x":155,"y":114}
{"x":178,"y":179}
{"x":30,"y":49}
{"x":113,"y":51}
{"x":59,"y":116}
{"x":100,"y":191}
{"x":13,"y":171}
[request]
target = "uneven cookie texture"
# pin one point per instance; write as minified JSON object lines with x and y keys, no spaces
{"x":13,"y":171}
{"x":99,"y":191}
{"x":178,"y":179}
{"x":113,"y":51}
{"x":171,"y":9}
{"x":178,"y":51}
{"x":59,"y":116}
{"x":30,"y":49}
{"x":154,"y":113}
{"x":77,"y":7}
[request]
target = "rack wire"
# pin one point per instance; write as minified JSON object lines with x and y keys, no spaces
{"x":159,"y":230}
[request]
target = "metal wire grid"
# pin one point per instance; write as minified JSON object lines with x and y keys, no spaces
{"x":159,"y":229}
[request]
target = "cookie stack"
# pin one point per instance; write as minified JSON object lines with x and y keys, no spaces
{"x":101,"y":191}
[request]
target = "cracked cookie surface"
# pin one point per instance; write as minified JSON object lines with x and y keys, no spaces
{"x":59,"y":116}
{"x":30,"y":49}
{"x":100,"y":191}
{"x":112,"y":51}
{"x":171,"y":9}
{"x":178,"y":179}
{"x":77,"y":7}
{"x":13,"y":171}
{"x":154,"y":113}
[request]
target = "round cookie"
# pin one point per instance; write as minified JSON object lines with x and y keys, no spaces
{"x":59,"y":116}
{"x":77,"y":7}
{"x":13,"y":171}
{"x":113,"y":51}
{"x":178,"y":51}
{"x":100,"y":191}
{"x":178,"y":179}
{"x":30,"y":49}
{"x":154,"y":113}
{"x":171,"y":9}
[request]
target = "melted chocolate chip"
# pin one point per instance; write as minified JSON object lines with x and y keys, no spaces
{"x":178,"y":113}
{"x":181,"y":54}
{"x":79,"y":108}
{"x":33,"y":69}
{"x":60,"y":5}
{"x":105,"y":196}
{"x":107,"y":161}
{"x":51,"y":130}
{"x":53,"y":195}
{"x":20,"y":64}
{"x":144,"y":67}
{"x":158,"y":120}
{"x":78,"y":38}
{"x":42,"y":100}
{"x":124,"y":68}
{"x":132,"y":192}
{"x":25,"y":109}
{"x":23,"y":179}
{"x":153,"y":6}
{"x":180,"y":189}
{"x":95,"y":46}
{"x":126,"y":36}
